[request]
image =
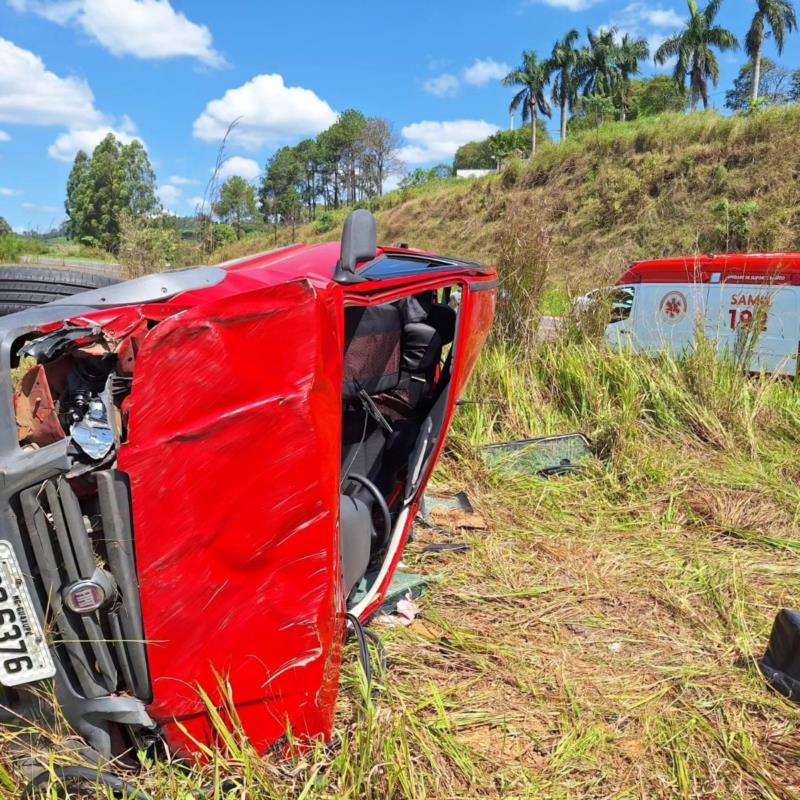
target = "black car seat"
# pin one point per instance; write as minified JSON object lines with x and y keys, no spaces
{"x":372,"y":359}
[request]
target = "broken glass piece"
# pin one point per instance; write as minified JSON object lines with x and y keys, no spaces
{"x":544,"y":455}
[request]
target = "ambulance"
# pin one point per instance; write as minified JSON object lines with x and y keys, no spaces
{"x":659,"y":306}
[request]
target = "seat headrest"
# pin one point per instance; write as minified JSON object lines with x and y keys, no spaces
{"x":372,"y":353}
{"x":443,"y":320}
{"x":422,"y":347}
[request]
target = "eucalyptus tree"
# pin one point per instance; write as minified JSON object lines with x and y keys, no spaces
{"x":781,"y":18}
{"x":693,"y":48}
{"x":562,"y":64}
{"x":533,"y":76}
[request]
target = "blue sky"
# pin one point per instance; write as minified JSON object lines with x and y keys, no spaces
{"x":173,"y":73}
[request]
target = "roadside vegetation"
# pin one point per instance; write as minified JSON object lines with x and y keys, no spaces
{"x":599,"y":638}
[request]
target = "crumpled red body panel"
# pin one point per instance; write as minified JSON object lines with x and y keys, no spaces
{"x":233,"y":457}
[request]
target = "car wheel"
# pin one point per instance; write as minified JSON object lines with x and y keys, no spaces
{"x":25,"y":287}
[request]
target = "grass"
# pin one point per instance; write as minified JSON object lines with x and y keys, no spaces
{"x":599,"y":638}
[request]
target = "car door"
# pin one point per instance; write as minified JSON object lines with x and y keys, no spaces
{"x":233,"y":461}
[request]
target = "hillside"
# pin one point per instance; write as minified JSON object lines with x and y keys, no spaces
{"x":654,"y":187}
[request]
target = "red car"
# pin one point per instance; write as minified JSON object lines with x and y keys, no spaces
{"x":203,"y":470}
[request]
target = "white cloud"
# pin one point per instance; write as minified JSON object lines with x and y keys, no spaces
{"x":651,"y":22}
{"x":179,"y":180}
{"x":32,"y":95}
{"x":197,"y":202}
{"x":654,"y":17}
{"x":438,"y":141}
{"x":6,"y":192}
{"x":445,"y":85}
{"x":169,"y":194}
{"x":571,"y":5}
{"x":484,"y":71}
{"x":148,"y":29}
{"x":40,"y":209}
{"x":4,"y":137}
{"x":243,"y":167}
{"x":269,"y":113}
{"x":67,"y":144}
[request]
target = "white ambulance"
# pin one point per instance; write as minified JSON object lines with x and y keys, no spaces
{"x":658,"y":305}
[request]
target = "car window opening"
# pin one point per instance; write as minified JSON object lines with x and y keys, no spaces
{"x":398,"y":359}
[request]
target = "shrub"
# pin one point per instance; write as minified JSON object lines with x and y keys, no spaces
{"x":148,"y":246}
{"x":223,"y":234}
{"x":732,"y":232}
{"x":511,"y":173}
{"x":325,"y":222}
{"x":10,"y":248}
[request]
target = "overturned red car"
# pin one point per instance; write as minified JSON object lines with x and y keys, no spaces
{"x":205,"y":470}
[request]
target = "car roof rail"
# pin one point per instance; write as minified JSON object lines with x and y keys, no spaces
{"x":359,"y":243}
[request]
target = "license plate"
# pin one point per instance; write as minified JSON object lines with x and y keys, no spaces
{"x":24,"y":654}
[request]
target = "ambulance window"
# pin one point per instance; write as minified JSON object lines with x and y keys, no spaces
{"x":621,"y":304}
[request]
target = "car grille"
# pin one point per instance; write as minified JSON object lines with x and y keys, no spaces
{"x":71,"y":534}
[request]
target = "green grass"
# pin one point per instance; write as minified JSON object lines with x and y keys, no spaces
{"x":599,"y":638}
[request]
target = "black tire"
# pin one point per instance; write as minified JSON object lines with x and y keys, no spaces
{"x":26,"y":287}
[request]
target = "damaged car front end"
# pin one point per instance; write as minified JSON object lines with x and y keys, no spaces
{"x":204,"y":471}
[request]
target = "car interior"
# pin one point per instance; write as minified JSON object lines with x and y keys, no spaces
{"x":397,"y":369}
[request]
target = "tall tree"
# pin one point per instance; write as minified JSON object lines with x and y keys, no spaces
{"x":5,"y":228}
{"x":381,"y":148}
{"x":562,"y":64}
{"x":598,"y":67}
{"x":76,"y":203}
{"x":694,"y":48}
{"x":136,"y":180}
{"x":117,"y":180}
{"x":533,"y":76}
{"x":628,"y":55}
{"x":780,"y":16}
{"x":794,"y":89}
{"x":774,"y":83}
{"x":237,"y":203}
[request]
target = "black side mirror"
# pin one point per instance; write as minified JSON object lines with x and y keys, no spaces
{"x":359,"y":243}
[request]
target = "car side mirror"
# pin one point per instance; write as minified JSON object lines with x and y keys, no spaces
{"x":359,"y":243}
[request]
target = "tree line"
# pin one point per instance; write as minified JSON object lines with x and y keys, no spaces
{"x":347,"y":163}
{"x":581,"y":79}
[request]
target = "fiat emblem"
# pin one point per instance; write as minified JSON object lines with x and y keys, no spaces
{"x":84,"y":597}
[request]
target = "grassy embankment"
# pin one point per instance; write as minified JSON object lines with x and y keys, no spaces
{"x":656,"y":187}
{"x":598,"y":640}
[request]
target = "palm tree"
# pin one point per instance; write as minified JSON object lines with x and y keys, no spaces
{"x":598,"y":72}
{"x":781,"y":18}
{"x":629,"y":53}
{"x":693,"y":49}
{"x":563,"y":61}
{"x":533,"y":76}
